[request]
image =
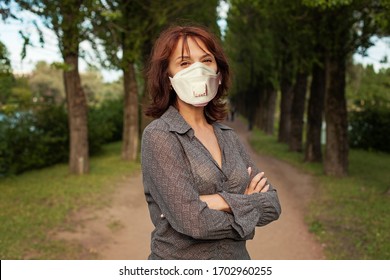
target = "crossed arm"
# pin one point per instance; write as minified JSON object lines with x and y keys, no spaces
{"x":193,"y":214}
{"x":258,"y":184}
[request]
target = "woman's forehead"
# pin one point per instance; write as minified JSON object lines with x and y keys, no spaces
{"x":188,"y":44}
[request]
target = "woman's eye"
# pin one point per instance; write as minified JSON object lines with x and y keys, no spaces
{"x":184,"y":63}
{"x":208,"y":60}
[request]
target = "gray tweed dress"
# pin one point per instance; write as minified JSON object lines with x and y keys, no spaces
{"x":176,"y":169}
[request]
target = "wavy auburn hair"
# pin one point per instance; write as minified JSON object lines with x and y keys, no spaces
{"x":158,"y":84}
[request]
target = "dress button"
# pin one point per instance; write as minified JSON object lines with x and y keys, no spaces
{"x":162,"y":216}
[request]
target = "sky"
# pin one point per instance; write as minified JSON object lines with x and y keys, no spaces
{"x":9,"y":35}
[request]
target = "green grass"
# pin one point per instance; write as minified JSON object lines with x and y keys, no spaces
{"x":35,"y":203}
{"x":349,"y":215}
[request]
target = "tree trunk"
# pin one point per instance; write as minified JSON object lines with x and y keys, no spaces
{"x":285,"y":109}
{"x":145,"y":102}
{"x":268,"y":110}
{"x":297,"y":112}
{"x":260,"y":108}
{"x":68,"y":33}
{"x":77,"y":117}
{"x":336,"y":154}
{"x":131,"y":114}
{"x":271,"y":105}
{"x":313,"y":152}
{"x":251,"y":108}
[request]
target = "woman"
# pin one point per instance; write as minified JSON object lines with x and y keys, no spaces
{"x":203,"y":199}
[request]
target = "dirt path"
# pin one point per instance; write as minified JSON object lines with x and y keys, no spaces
{"x":122,"y":231}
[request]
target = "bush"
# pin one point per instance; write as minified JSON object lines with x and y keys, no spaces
{"x":370,"y":129}
{"x":40,"y":138}
{"x":33,"y":139}
{"x":105,"y":124}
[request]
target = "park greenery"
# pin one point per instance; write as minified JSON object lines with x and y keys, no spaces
{"x":36,"y":204}
{"x":293,"y":79}
{"x":348,"y":215}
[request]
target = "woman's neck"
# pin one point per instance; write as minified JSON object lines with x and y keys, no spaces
{"x":193,"y":115}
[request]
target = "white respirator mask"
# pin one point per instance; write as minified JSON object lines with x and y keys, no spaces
{"x":197,"y":84}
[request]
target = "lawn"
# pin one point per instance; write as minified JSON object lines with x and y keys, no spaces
{"x":349,"y":215}
{"x":35,"y":203}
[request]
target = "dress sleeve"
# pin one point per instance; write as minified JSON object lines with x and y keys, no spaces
{"x":168,"y":178}
{"x":253,"y":210}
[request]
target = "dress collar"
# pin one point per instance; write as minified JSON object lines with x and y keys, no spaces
{"x":177,"y":123}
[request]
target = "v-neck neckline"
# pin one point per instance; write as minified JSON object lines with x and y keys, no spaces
{"x":218,"y":136}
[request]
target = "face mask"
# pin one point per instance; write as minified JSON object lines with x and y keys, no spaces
{"x":196,"y":85}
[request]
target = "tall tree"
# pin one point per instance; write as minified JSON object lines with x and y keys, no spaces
{"x":349,"y":25}
{"x":292,"y":27}
{"x":67,"y":20}
{"x":315,"y":112}
{"x":336,"y":156}
{"x":119,"y":25}
{"x":252,"y":50}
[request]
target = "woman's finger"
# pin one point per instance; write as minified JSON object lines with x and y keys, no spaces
{"x":265,"y":189}
{"x":254,"y":182}
{"x":261,"y":184}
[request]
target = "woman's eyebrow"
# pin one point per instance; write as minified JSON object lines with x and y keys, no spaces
{"x":182,"y":57}
{"x":206,"y":55}
{"x":188,"y":57}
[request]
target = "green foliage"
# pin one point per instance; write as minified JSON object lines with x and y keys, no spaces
{"x":126,"y":29}
{"x":40,"y":137}
{"x":96,"y":90}
{"x":267,"y":43}
{"x":367,"y":88}
{"x":326,"y":3}
{"x":32,"y":140}
{"x":46,"y":83}
{"x":370,"y":129}
{"x":105,"y":124}
{"x":6,"y":76}
{"x":18,"y":96}
{"x":369,"y":103}
{"x":252,"y":55}
{"x":6,"y":83}
{"x":34,"y":122}
{"x":5,"y":63}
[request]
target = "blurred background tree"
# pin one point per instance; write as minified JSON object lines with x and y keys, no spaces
{"x":67,"y":20}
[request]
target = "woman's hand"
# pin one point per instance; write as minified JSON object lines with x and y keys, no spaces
{"x":258,"y":183}
{"x":216,"y":202}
